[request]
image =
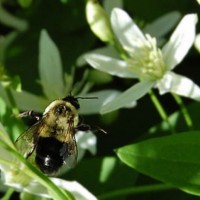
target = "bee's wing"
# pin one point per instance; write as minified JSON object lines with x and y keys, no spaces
{"x":26,"y":142}
{"x":70,"y":141}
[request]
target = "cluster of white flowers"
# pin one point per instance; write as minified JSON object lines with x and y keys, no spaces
{"x":144,"y":60}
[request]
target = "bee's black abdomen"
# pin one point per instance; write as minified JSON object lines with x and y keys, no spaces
{"x":50,"y":154}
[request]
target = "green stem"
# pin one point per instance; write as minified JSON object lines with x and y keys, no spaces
{"x":135,"y":190}
{"x":161,"y":110}
{"x":184,"y":111}
{"x":8,"y":194}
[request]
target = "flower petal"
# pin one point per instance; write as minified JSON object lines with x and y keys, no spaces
{"x":78,"y":191}
{"x":180,"y":85}
{"x":86,"y":141}
{"x":95,"y":105}
{"x":126,"y":98}
{"x":161,"y":26}
{"x":50,"y":67}
{"x":110,"y":65}
{"x":107,"y":51}
{"x":29,"y":101}
{"x":180,"y":41}
{"x":98,"y":21}
{"x":125,"y":29}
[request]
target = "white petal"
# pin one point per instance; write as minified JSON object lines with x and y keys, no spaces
{"x":86,"y":141}
{"x":126,"y":98}
{"x":50,"y":67}
{"x":180,"y":85}
{"x":106,"y":51}
{"x":28,"y":101}
{"x":125,"y":29}
{"x":94,"y":105}
{"x":78,"y":191}
{"x":98,"y":21}
{"x":159,"y":27}
{"x":110,"y":65}
{"x":180,"y":41}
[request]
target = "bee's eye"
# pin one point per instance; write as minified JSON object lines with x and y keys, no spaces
{"x":62,"y":109}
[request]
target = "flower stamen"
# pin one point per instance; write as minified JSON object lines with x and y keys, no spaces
{"x":146,"y":59}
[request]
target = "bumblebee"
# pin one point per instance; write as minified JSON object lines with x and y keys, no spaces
{"x":50,"y":141}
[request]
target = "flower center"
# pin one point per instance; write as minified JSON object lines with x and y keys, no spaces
{"x":146,"y":59}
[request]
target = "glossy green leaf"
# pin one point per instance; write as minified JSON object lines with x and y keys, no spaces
{"x":172,"y":159}
{"x":50,"y":67}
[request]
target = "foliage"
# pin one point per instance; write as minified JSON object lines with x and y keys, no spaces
{"x":123,"y":54}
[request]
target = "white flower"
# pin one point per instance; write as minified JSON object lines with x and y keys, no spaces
{"x":142,"y":59}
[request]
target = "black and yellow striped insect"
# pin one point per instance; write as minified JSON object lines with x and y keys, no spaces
{"x":50,"y":141}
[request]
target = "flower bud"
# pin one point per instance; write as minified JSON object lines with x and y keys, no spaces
{"x":99,"y":21}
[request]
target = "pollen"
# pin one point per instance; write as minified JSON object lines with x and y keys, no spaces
{"x":146,"y":59}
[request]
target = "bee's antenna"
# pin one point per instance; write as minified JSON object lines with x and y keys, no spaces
{"x":74,"y":100}
{"x":70,"y":93}
{"x":86,"y":97}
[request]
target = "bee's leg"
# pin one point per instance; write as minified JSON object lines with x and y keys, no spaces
{"x":83,"y":127}
{"x":86,"y":127}
{"x":31,"y":114}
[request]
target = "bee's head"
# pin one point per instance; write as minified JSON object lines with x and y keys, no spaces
{"x":61,"y":111}
{"x":61,"y":108}
{"x":73,"y":100}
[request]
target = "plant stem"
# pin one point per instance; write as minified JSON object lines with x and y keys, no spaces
{"x":160,"y":110}
{"x":184,"y":111}
{"x":135,"y":190}
{"x":8,"y":194}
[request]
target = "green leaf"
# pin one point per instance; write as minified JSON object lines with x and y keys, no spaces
{"x":25,"y":3}
{"x":172,"y":159}
{"x":50,"y":67}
